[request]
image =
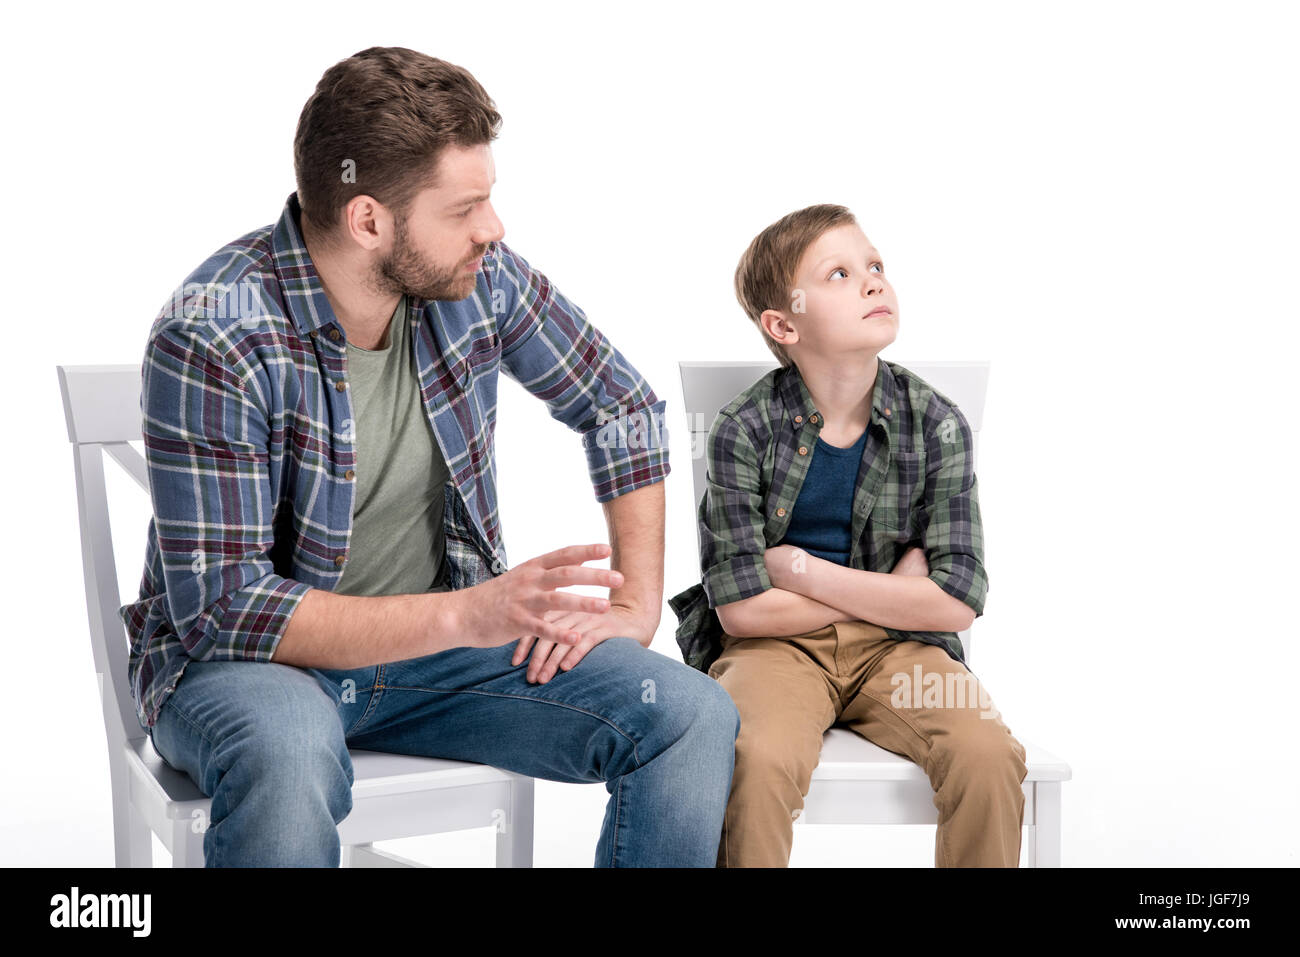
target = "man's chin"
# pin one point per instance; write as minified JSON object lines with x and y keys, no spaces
{"x":458,"y":292}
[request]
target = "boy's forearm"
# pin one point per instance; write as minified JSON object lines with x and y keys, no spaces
{"x":776,"y":613}
{"x":354,"y":631}
{"x":902,"y":602}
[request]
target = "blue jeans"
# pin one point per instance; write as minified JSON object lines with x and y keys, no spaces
{"x":269,"y":744}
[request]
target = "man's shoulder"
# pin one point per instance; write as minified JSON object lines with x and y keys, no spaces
{"x":233,"y":295}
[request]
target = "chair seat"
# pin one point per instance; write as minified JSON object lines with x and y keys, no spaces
{"x":847,"y":756}
{"x":397,"y":785}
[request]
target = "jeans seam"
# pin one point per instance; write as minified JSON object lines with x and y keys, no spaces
{"x":376,"y":692}
{"x":618,"y":807}
{"x":557,"y":704}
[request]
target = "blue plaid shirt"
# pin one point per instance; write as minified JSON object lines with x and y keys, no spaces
{"x":249,"y":439}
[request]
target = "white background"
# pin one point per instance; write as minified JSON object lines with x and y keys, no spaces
{"x":1100,"y":198}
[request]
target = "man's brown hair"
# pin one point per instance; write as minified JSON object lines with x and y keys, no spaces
{"x":384,"y":114}
{"x":766,"y":274}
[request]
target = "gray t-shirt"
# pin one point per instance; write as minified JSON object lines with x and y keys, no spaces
{"x":398,"y":546}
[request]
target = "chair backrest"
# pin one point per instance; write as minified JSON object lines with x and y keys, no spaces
{"x":708,"y":386}
{"x":102,"y":407}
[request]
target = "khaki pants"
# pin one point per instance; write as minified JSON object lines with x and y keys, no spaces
{"x":790,"y":690}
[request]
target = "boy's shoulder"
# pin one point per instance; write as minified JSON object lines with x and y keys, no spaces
{"x":927,"y":411}
{"x":752,"y":411}
{"x":921,"y":416}
{"x":919,"y":392}
{"x":778,"y":393}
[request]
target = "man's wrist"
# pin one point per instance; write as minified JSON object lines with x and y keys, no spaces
{"x":447,"y":620}
{"x":643,"y":614}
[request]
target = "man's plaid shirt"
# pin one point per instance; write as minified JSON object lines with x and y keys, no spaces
{"x":249,"y":439}
{"x":917,"y":487}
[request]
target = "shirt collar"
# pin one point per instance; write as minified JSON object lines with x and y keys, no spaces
{"x":304,"y":295}
{"x":800,"y":409}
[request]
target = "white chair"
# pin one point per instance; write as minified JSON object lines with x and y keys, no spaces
{"x":394,"y":796}
{"x":857,"y":782}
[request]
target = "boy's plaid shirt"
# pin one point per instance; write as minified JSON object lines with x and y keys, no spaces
{"x":248,"y":436}
{"x":917,"y":486}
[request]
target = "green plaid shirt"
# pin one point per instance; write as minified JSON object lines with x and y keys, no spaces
{"x":918,"y":488}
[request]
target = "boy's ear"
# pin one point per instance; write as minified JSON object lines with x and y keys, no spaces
{"x":778,"y":325}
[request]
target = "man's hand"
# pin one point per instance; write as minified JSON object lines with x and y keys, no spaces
{"x":525,"y":600}
{"x":618,"y":621}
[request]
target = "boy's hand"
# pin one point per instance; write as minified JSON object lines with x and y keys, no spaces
{"x":913,"y":562}
{"x":785,"y":564}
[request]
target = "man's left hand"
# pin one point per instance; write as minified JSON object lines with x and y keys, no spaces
{"x":547,"y":656}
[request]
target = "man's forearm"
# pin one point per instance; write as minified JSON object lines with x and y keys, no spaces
{"x":636,"y":540}
{"x":354,"y":631}
{"x":902,"y":602}
{"x":777,"y":613}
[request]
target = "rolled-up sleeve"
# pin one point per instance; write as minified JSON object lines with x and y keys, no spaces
{"x":206,"y":443}
{"x":550,"y":348}
{"x":732,"y":540}
{"x":953,"y":536}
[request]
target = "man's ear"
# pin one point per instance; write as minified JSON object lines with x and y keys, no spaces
{"x":366,"y":222}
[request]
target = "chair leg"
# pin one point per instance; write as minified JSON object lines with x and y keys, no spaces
{"x":187,"y":845}
{"x":1045,"y":828}
{"x":515,"y":831}
{"x":132,"y":838}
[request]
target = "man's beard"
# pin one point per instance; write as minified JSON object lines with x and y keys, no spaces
{"x":404,"y":272}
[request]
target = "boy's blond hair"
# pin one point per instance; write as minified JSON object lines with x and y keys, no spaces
{"x":765,"y":275}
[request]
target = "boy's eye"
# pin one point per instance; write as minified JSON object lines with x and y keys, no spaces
{"x":876,"y":265}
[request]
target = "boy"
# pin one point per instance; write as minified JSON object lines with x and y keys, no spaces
{"x":842,"y":551}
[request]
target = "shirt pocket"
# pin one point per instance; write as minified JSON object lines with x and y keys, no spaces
{"x":895,"y":513}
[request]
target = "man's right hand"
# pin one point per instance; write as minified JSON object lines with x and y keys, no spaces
{"x":512,"y":605}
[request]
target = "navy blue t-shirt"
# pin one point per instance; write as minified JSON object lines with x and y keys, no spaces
{"x":822,"y":518}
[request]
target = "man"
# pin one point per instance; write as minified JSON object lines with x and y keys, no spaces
{"x":325,"y":565}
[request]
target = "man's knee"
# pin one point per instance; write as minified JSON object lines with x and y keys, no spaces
{"x":679,"y":701}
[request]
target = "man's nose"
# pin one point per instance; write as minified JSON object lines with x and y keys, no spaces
{"x":490,"y":229}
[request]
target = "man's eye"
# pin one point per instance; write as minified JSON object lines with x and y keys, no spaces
{"x":839,"y":269}
{"x":466,"y":213}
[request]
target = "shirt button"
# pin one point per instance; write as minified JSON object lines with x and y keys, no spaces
{"x":886,"y":412}
{"x":803,"y":450}
{"x":334,"y":334}
{"x":812,"y":419}
{"x":340,"y":385}
{"x":314,"y":333}
{"x":338,"y":561}
{"x":780,"y":511}
{"x":798,"y":419}
{"x":349,"y":474}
